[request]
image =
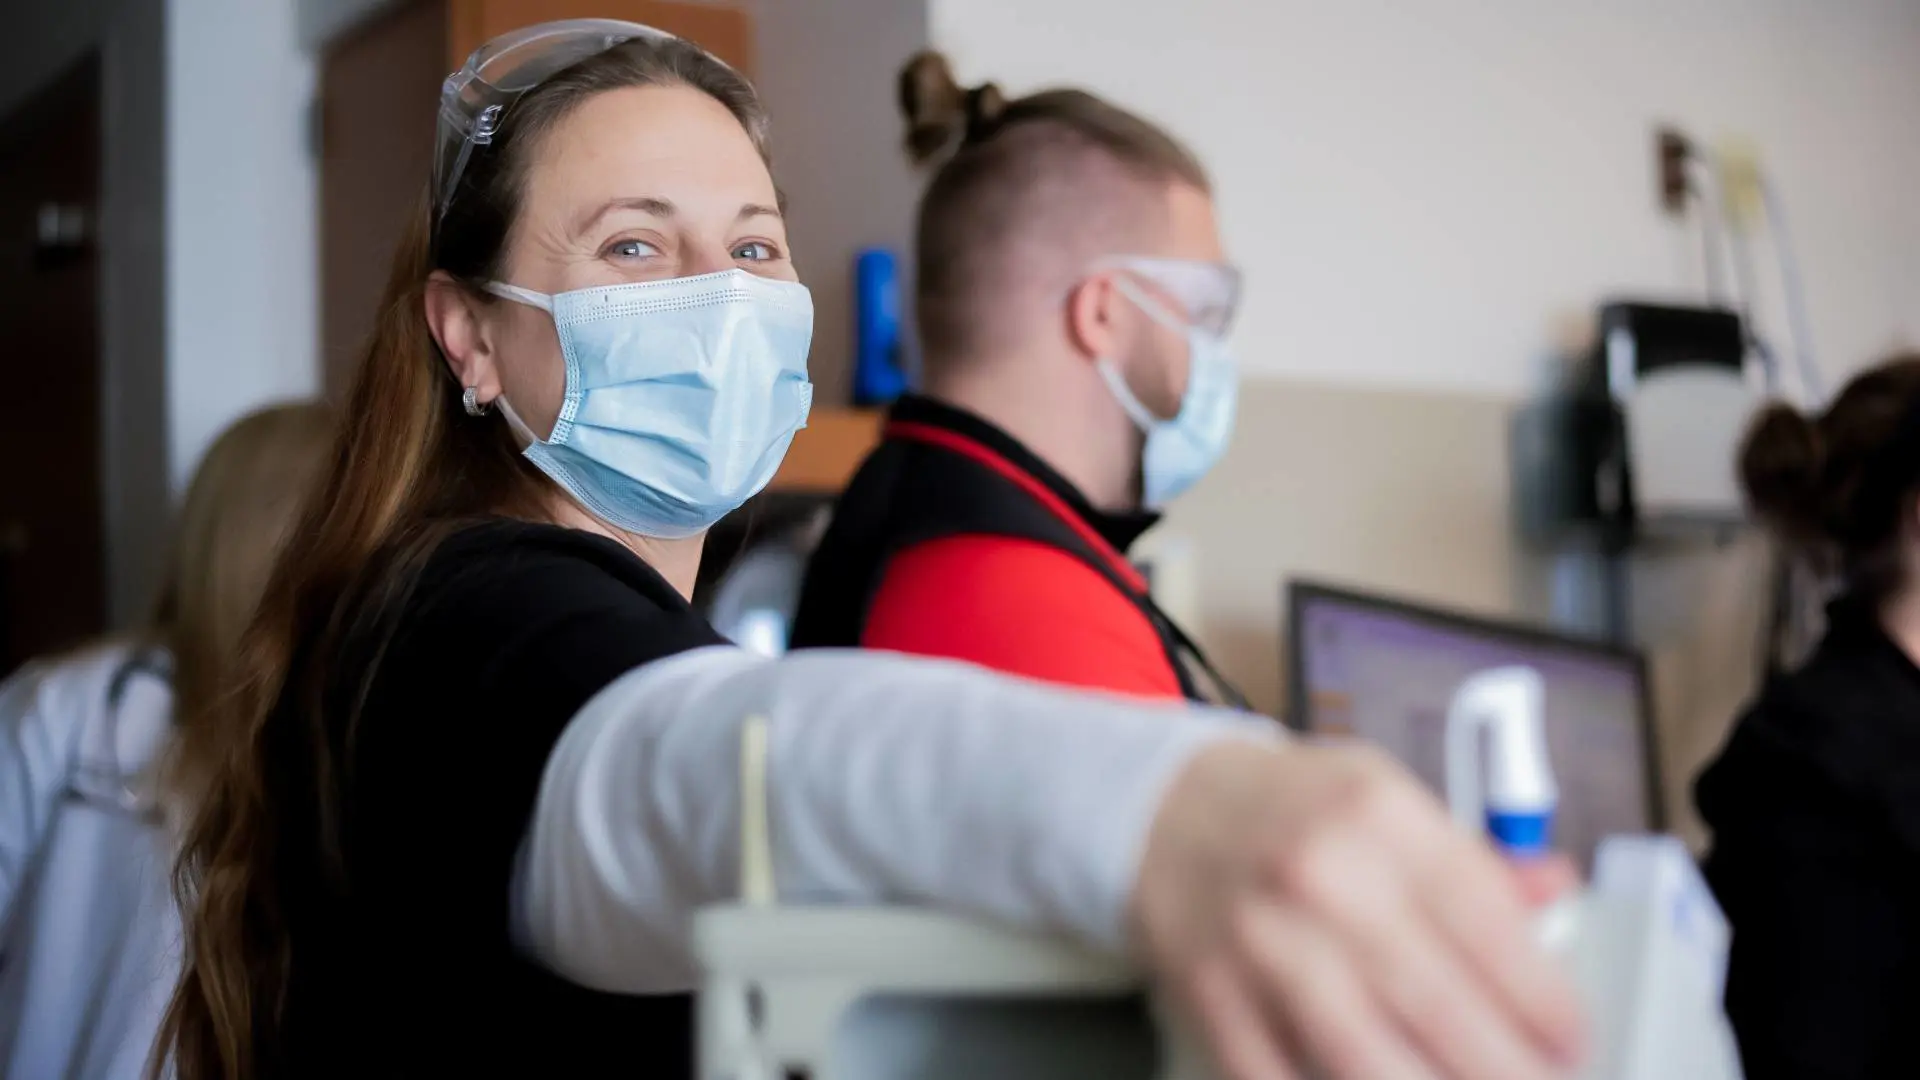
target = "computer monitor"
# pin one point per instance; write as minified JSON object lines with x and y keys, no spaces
{"x":1384,"y":670}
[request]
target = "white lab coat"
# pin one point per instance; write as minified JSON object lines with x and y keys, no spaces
{"x":89,"y":936}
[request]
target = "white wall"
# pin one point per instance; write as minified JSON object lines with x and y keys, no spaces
{"x":242,"y":256}
{"x":1421,"y":192}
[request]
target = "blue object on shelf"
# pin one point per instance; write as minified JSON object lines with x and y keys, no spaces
{"x":878,"y":372}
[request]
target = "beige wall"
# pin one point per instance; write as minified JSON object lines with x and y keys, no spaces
{"x":1397,"y":491}
{"x":1406,"y":492}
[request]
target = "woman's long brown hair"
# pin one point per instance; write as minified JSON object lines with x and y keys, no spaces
{"x":408,"y":465}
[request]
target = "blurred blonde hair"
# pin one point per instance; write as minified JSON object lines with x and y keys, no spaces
{"x":239,"y":508}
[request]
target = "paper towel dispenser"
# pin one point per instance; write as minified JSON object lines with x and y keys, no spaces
{"x":1642,"y":441}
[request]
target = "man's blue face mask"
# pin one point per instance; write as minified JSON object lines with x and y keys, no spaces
{"x":1181,"y":449}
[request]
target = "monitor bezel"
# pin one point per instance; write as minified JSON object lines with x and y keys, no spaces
{"x":1300,"y":592}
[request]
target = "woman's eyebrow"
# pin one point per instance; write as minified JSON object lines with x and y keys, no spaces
{"x":646,"y":204}
{"x":754,"y":210}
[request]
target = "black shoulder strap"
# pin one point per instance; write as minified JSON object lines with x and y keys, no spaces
{"x":910,"y":492}
{"x":1188,"y":657}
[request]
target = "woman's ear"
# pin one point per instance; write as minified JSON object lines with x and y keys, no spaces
{"x":454,"y":315}
{"x":1090,"y":323}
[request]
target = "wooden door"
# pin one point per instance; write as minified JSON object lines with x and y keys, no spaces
{"x":379,"y":99}
{"x":722,"y":29}
{"x":52,"y":531}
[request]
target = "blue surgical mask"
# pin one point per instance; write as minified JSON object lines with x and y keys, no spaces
{"x":682,"y":395}
{"x":1180,"y":450}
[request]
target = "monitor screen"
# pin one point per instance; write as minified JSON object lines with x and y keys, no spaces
{"x":1385,"y":671}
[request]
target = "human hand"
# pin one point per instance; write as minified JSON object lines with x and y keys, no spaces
{"x":1316,"y":912}
{"x":1543,"y":879}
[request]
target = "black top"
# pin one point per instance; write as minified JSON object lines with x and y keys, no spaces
{"x":1815,"y":807}
{"x":507,"y":632}
{"x":911,"y":491}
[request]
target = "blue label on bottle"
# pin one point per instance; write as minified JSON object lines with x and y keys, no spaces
{"x":1520,"y":833}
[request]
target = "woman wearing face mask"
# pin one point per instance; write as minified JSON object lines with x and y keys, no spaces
{"x":492,"y":755}
{"x":1073,"y":304}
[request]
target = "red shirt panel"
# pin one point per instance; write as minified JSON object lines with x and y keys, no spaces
{"x":1021,"y":607}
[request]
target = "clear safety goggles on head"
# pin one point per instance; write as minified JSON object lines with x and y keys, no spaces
{"x":1208,"y":293}
{"x":474,"y":99}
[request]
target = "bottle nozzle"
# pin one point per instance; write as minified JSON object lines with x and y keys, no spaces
{"x":1514,"y":799}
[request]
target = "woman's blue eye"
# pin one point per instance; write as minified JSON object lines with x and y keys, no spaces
{"x":754,"y":251}
{"x":632,"y":249}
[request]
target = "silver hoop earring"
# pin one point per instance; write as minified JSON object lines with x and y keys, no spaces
{"x":470,"y":401}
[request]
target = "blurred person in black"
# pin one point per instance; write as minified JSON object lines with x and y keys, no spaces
{"x":1815,"y":801}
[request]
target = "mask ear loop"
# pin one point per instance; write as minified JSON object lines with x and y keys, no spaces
{"x":1122,"y":393}
{"x":521,"y":431}
{"x":1131,"y":404}
{"x":544,"y":302}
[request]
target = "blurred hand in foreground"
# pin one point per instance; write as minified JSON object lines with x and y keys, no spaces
{"x":1317,"y":913}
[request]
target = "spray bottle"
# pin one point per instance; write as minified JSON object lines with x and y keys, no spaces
{"x":1644,"y":941}
{"x":1515,"y":799}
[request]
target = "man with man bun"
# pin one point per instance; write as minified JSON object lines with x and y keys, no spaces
{"x":1072,"y":300}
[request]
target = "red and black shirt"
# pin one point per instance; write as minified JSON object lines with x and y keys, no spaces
{"x":955,"y":540}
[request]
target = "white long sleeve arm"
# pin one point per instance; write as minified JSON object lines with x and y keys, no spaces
{"x":890,"y":779}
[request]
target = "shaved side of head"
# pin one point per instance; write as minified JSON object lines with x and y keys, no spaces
{"x":1038,"y":188}
{"x":1015,"y":225}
